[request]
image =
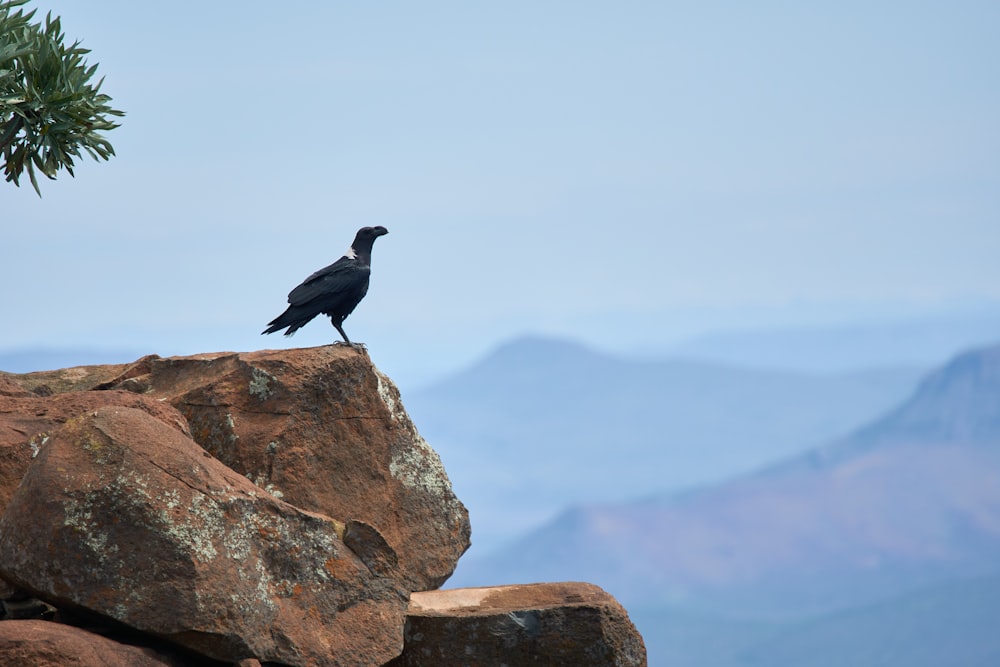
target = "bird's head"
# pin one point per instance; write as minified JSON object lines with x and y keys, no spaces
{"x":370,"y":233}
{"x":364,"y":240}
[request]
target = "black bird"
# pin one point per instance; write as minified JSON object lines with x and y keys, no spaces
{"x":335,"y":290}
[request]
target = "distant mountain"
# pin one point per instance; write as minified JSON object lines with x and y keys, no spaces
{"x":926,"y":342}
{"x":910,"y":501}
{"x":960,"y":403}
{"x":542,"y":424}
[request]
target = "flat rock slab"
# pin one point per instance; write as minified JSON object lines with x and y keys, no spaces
{"x":538,"y":624}
{"x":124,"y":516}
{"x":46,"y":644}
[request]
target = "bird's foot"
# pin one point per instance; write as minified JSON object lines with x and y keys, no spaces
{"x":356,"y":346}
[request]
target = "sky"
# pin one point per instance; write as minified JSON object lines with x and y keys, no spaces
{"x":625,"y":174}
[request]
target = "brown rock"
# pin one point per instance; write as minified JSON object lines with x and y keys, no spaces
{"x":45,"y":644}
{"x":78,"y":378}
{"x":539,"y":624}
{"x":320,"y":428}
{"x":27,"y":421}
{"x":124,"y":516}
{"x":8,"y":387}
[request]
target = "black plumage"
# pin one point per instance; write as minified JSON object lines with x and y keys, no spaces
{"x":334,"y":290}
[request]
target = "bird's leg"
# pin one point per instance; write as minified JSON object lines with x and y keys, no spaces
{"x":341,"y":330}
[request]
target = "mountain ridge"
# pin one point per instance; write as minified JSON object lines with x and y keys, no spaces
{"x":542,"y":423}
{"x":871,"y":518}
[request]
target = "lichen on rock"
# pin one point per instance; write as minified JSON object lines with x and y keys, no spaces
{"x":127,"y":518}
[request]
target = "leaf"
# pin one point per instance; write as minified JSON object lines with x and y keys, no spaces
{"x":50,"y":113}
{"x":34,"y":181}
{"x":10,"y":131}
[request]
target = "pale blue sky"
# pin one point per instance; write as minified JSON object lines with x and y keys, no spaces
{"x":624,"y":173}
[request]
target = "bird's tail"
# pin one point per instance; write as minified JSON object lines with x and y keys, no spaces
{"x":290,"y":318}
{"x":278,"y":327}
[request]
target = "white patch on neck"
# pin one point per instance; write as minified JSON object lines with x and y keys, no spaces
{"x":350,"y":254}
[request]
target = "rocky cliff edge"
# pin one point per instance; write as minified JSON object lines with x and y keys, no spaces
{"x":273,"y":506}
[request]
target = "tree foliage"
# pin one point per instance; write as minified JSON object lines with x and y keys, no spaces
{"x":49,"y":107}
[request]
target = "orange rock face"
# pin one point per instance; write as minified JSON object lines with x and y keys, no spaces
{"x":124,"y":516}
{"x":276,"y":505}
{"x":27,"y":422}
{"x":320,"y":428}
{"x":45,"y":644}
{"x":273,"y":507}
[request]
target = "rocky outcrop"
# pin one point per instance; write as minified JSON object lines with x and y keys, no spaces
{"x":538,"y":624}
{"x":237,"y":573}
{"x":320,"y":428}
{"x":274,"y":506}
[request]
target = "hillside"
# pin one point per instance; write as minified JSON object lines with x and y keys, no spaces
{"x":543,"y":424}
{"x":907,"y":501}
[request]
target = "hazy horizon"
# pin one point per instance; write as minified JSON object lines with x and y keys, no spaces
{"x":629,"y":176}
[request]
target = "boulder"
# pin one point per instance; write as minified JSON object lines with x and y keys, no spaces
{"x":45,"y":644}
{"x":28,"y":420}
{"x":124,"y":516}
{"x":320,"y":428}
{"x":543,"y":624}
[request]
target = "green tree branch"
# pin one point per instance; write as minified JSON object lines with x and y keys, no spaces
{"x":49,"y":109}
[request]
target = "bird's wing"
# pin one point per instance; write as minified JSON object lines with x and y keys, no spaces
{"x":339,"y":276}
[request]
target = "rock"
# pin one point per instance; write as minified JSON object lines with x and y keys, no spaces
{"x":8,"y":387}
{"x":78,"y":378}
{"x":546,"y":624}
{"x":320,"y":428}
{"x":125,"y":516}
{"x":28,"y":420}
{"x":45,"y":644}
{"x":189,"y":499}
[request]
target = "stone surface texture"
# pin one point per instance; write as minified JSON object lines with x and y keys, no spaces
{"x":320,"y":428}
{"x":45,"y":644}
{"x":534,"y":624}
{"x":124,"y":516}
{"x":28,"y":420}
{"x":262,"y":508}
